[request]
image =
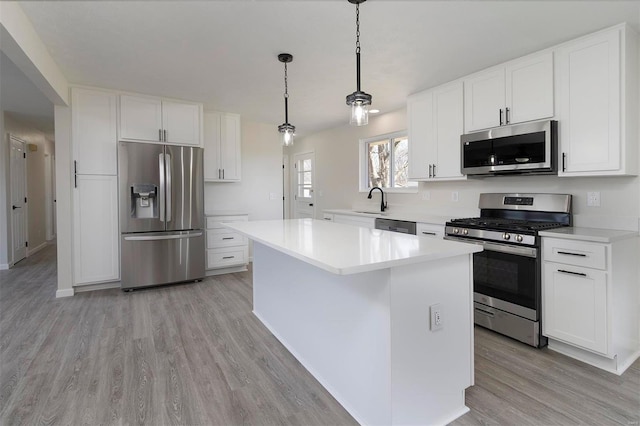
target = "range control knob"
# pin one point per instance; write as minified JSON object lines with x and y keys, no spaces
{"x":506,"y":236}
{"x":519,"y":238}
{"x":456,"y":231}
{"x":465,"y":232}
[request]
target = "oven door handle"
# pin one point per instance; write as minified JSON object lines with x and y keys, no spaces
{"x":502,"y":248}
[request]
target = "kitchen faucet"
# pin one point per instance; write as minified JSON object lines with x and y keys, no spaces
{"x":383,"y":205}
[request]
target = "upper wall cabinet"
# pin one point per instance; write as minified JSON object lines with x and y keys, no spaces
{"x":435,"y":125}
{"x":597,"y":92}
{"x":94,"y":131}
{"x":518,"y":91}
{"x":151,"y":119}
{"x":222,"y":160}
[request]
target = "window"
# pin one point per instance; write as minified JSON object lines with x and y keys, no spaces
{"x":384,"y":162}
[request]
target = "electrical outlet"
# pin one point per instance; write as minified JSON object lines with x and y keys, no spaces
{"x":593,"y":199}
{"x":454,"y":196}
{"x":437,"y":321}
{"x":426,"y":195}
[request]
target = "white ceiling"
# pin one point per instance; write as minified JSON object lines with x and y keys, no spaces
{"x":223,"y":53}
{"x":20,"y":97}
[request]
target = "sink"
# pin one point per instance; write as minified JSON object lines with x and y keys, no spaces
{"x":376,"y":213}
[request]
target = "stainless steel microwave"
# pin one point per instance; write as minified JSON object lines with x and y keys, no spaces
{"x":515,"y":149}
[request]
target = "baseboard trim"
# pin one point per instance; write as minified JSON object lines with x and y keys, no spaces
{"x":34,"y":250}
{"x":94,"y":287}
{"x":222,"y":271}
{"x":65,"y":292}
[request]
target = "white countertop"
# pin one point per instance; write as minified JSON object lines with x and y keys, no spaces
{"x":226,"y":213}
{"x":408,"y":216}
{"x":589,"y":234}
{"x":346,"y":249}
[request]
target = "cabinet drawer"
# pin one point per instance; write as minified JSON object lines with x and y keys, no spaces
{"x":224,"y":237}
{"x":429,"y":230}
{"x":216,"y":221}
{"x":224,"y":257}
{"x":577,"y":253}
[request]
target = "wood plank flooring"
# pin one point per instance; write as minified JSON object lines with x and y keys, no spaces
{"x":195,"y":355}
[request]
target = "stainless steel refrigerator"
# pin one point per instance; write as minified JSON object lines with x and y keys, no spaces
{"x":161,"y":214}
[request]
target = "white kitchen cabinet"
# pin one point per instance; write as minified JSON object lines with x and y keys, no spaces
{"x":222,"y":147}
{"x":327,"y":216}
{"x":590,"y":298}
{"x":429,"y":230}
{"x":95,"y":229}
{"x":575,"y":304}
{"x":515,"y":92}
{"x":596,"y":85}
{"x":94,"y":131}
{"x":435,"y":125}
{"x":227,"y":250}
{"x":367,"y":222}
{"x":149,"y":119}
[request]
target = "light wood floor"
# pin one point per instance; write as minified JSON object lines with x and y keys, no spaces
{"x":194,"y":354}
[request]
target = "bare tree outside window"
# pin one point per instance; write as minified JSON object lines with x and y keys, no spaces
{"x":388,"y":162}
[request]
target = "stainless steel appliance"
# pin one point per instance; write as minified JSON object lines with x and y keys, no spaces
{"x":516,"y":149}
{"x":402,"y":226}
{"x":507,"y":274}
{"x":161,"y":214}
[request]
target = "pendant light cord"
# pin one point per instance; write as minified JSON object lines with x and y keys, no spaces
{"x":358,"y":47}
{"x":286,"y":95}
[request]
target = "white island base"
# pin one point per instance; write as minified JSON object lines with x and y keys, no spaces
{"x":366,"y":336}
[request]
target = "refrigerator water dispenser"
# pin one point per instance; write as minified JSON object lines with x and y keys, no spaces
{"x":144,"y":201}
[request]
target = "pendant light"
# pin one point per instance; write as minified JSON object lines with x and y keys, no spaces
{"x":287,"y":130}
{"x":359,"y":101}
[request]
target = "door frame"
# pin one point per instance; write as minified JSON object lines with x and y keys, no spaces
{"x":294,"y":181}
{"x":12,"y":260}
{"x":49,"y":196}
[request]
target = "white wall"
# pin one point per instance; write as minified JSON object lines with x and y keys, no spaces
{"x":4,"y":191}
{"x":36,"y":179}
{"x":336,"y":152}
{"x":261,"y":176}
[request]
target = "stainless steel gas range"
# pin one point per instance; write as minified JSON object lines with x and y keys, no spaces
{"x":507,"y":274}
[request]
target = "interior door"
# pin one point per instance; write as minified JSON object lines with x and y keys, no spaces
{"x":18,"y":199}
{"x":303,"y":181}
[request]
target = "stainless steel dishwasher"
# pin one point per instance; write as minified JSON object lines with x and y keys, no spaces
{"x":402,"y":226}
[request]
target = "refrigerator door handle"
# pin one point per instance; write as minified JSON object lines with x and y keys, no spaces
{"x":167,"y":167}
{"x":161,"y":201}
{"x":162,"y":237}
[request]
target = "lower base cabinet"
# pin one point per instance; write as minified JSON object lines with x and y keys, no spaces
{"x":591,"y":300}
{"x":227,"y":250}
{"x":96,"y":255}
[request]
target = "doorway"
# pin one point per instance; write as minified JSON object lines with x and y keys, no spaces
{"x":18,"y":176}
{"x":304,"y":185}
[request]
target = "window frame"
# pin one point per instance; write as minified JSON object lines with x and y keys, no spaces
{"x":363,"y":172}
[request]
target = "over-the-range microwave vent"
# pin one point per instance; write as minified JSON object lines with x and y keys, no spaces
{"x":518,"y":149}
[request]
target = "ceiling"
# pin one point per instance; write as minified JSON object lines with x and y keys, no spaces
{"x":224,"y":53}
{"x":20,"y":97}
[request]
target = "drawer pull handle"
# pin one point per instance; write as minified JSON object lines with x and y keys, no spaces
{"x":428,"y":233}
{"x":483,"y":312}
{"x":228,"y":257}
{"x":228,"y":238}
{"x":572,"y":273}
{"x":572,"y":254}
{"x":326,"y":218}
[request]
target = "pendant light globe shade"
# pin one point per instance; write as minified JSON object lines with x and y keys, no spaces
{"x":287,"y":132}
{"x":359,"y":102}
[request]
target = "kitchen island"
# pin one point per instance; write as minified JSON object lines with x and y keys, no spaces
{"x":353,"y":305}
